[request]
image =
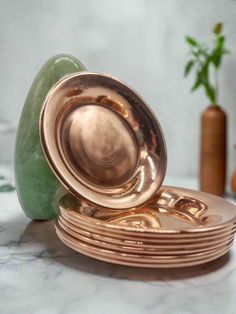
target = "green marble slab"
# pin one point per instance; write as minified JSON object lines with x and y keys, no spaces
{"x":38,"y":189}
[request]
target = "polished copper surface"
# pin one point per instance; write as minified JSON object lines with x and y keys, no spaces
{"x":203,"y":241}
{"x":102,"y":141}
{"x":161,"y":216}
{"x":107,"y":148}
{"x":141,"y":257}
{"x":154,"y":239}
{"x":113,"y":258}
{"x":177,"y":228}
{"x":100,"y":257}
{"x":89,"y":238}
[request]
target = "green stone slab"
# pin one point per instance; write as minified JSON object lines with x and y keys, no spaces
{"x":38,"y":189}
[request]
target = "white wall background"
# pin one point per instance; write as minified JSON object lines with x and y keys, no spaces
{"x":139,"y":41}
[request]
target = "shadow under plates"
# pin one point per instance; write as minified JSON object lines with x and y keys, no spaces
{"x":43,"y":233}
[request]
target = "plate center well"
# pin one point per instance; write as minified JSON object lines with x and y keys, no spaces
{"x":99,"y":145}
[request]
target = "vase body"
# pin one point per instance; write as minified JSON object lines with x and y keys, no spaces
{"x":213,"y":150}
{"x":233,"y":182}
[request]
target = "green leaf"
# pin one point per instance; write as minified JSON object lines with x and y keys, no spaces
{"x":7,"y":188}
{"x":216,"y":59}
{"x":220,"y":41}
{"x":206,"y":59}
{"x":197,"y":84}
{"x":2,"y":177}
{"x":210,"y":92}
{"x":204,"y":70}
{"x":218,"y":28}
{"x":202,"y":74}
{"x":188,"y":67}
{"x":218,"y":51}
{"x":190,"y":40}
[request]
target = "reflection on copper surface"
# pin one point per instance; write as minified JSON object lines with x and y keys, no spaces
{"x":98,"y":147}
{"x":167,"y":203}
{"x":163,"y":250}
{"x":179,"y":228}
{"x":114,"y":104}
{"x":138,"y":260}
{"x":173,"y":209}
{"x":142,"y":218}
{"x":182,"y":207}
{"x":145,"y":217}
{"x":201,"y":242}
{"x":172,"y":245}
{"x":102,"y":141}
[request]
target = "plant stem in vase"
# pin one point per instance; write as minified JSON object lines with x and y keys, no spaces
{"x":206,"y":61}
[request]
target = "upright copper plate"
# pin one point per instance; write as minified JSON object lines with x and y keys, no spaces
{"x":102,"y":141}
{"x":157,"y":219}
{"x":89,"y":238}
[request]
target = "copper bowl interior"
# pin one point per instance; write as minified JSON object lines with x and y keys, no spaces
{"x":102,"y":141}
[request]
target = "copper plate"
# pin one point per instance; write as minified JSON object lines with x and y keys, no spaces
{"x":162,"y":219}
{"x":158,"y":250}
{"x":137,"y":238}
{"x":102,"y":141}
{"x":112,"y":258}
{"x":140,"y":257}
{"x":158,"y":243}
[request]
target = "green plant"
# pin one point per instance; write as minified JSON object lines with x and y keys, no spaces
{"x":206,"y":61}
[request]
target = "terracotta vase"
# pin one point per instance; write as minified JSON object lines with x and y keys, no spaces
{"x":233,"y":182}
{"x":213,"y":150}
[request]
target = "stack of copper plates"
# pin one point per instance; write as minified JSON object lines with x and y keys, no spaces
{"x":107,"y":148}
{"x":177,"y":230}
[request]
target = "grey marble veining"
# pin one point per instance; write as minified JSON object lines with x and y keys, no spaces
{"x":39,"y":274}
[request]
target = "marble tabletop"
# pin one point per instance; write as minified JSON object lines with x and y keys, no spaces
{"x":39,"y":274}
